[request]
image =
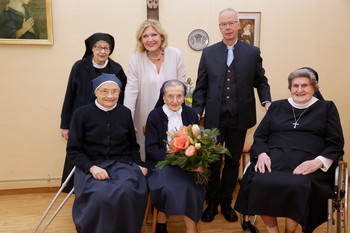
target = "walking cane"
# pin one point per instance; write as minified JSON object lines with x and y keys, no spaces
{"x":54,"y":200}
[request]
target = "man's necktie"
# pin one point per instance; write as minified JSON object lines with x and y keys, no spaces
{"x":229,"y":57}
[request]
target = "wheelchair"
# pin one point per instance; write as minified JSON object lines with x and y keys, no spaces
{"x":337,"y":205}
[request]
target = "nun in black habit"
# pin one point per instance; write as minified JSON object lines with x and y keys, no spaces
{"x":110,"y":187}
{"x":173,"y":191}
{"x":295,"y":152}
{"x":95,"y":61}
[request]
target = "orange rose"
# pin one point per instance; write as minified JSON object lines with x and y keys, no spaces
{"x":181,"y":142}
{"x":172,"y":148}
{"x":190,"y":151}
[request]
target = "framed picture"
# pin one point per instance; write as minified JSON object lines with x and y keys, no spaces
{"x":26,"y":22}
{"x":250,"y":27}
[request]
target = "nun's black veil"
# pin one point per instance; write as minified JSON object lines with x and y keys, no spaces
{"x":94,"y":38}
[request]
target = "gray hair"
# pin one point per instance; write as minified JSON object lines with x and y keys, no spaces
{"x":229,"y":9}
{"x":174,"y":83}
{"x":303,"y":73}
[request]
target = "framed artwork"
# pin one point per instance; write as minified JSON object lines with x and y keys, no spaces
{"x":250,"y":27}
{"x":26,"y":22}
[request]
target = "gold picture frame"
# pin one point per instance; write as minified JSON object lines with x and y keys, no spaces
{"x":36,"y":27}
{"x":250,"y":27}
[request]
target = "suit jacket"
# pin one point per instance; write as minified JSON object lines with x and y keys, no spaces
{"x":210,"y":81}
{"x":79,"y":89}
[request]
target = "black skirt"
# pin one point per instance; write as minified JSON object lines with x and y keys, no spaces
{"x":110,"y":206}
{"x":174,"y":192}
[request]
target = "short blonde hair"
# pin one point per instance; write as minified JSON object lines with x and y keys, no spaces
{"x":155,"y":24}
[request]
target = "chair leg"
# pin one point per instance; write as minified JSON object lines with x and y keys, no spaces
{"x":198,"y":226}
{"x":154,"y":222}
{"x":148,"y":209}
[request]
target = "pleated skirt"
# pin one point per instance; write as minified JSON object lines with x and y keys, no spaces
{"x":280,"y":193}
{"x":116,"y":205}
{"x":174,"y":192}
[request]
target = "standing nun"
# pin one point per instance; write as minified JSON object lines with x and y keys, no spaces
{"x":110,"y":187}
{"x":96,"y":60}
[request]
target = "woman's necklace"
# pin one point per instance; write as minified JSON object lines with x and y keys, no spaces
{"x":155,"y":58}
{"x":295,"y":123}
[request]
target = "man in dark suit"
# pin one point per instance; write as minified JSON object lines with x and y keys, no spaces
{"x":227,"y":75}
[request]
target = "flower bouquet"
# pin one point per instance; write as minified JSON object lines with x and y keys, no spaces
{"x":192,"y":148}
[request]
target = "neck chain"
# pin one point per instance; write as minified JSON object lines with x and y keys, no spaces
{"x":295,"y":123}
{"x":155,"y":58}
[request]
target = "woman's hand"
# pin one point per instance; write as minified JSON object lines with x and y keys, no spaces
{"x":64,"y":133}
{"x":263,"y":160}
{"x":27,"y":25}
{"x":143,"y":170}
{"x":99,"y":173}
{"x":308,"y":167}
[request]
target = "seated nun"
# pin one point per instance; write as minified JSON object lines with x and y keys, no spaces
{"x":173,"y":190}
{"x":295,"y":152}
{"x":109,"y":183}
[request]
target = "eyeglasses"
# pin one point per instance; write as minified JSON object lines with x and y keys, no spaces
{"x":302,"y":86}
{"x":175,"y":97}
{"x":230,"y":24}
{"x":99,"y":48}
{"x":105,"y":92}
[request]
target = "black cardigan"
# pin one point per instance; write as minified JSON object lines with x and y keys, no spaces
{"x":96,"y":136}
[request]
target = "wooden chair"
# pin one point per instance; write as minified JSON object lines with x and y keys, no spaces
{"x":245,"y":154}
{"x":149,"y":202}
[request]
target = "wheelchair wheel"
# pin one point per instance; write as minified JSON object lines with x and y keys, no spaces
{"x":342,"y":207}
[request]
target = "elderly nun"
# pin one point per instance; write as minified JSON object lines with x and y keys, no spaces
{"x":110,"y":187}
{"x":96,"y":60}
{"x":173,"y":190}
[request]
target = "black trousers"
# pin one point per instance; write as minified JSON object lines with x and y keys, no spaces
{"x":221,"y":186}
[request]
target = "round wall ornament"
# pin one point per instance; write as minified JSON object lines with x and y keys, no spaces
{"x":198,"y":39}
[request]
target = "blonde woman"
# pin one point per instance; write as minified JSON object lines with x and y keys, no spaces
{"x":153,"y":63}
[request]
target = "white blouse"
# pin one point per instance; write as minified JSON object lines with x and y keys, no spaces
{"x":174,"y":119}
{"x":144,"y":83}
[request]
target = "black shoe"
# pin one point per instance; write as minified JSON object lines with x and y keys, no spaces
{"x":249,"y":228}
{"x":229,"y":214}
{"x":209,"y":213}
{"x":161,"y":228}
